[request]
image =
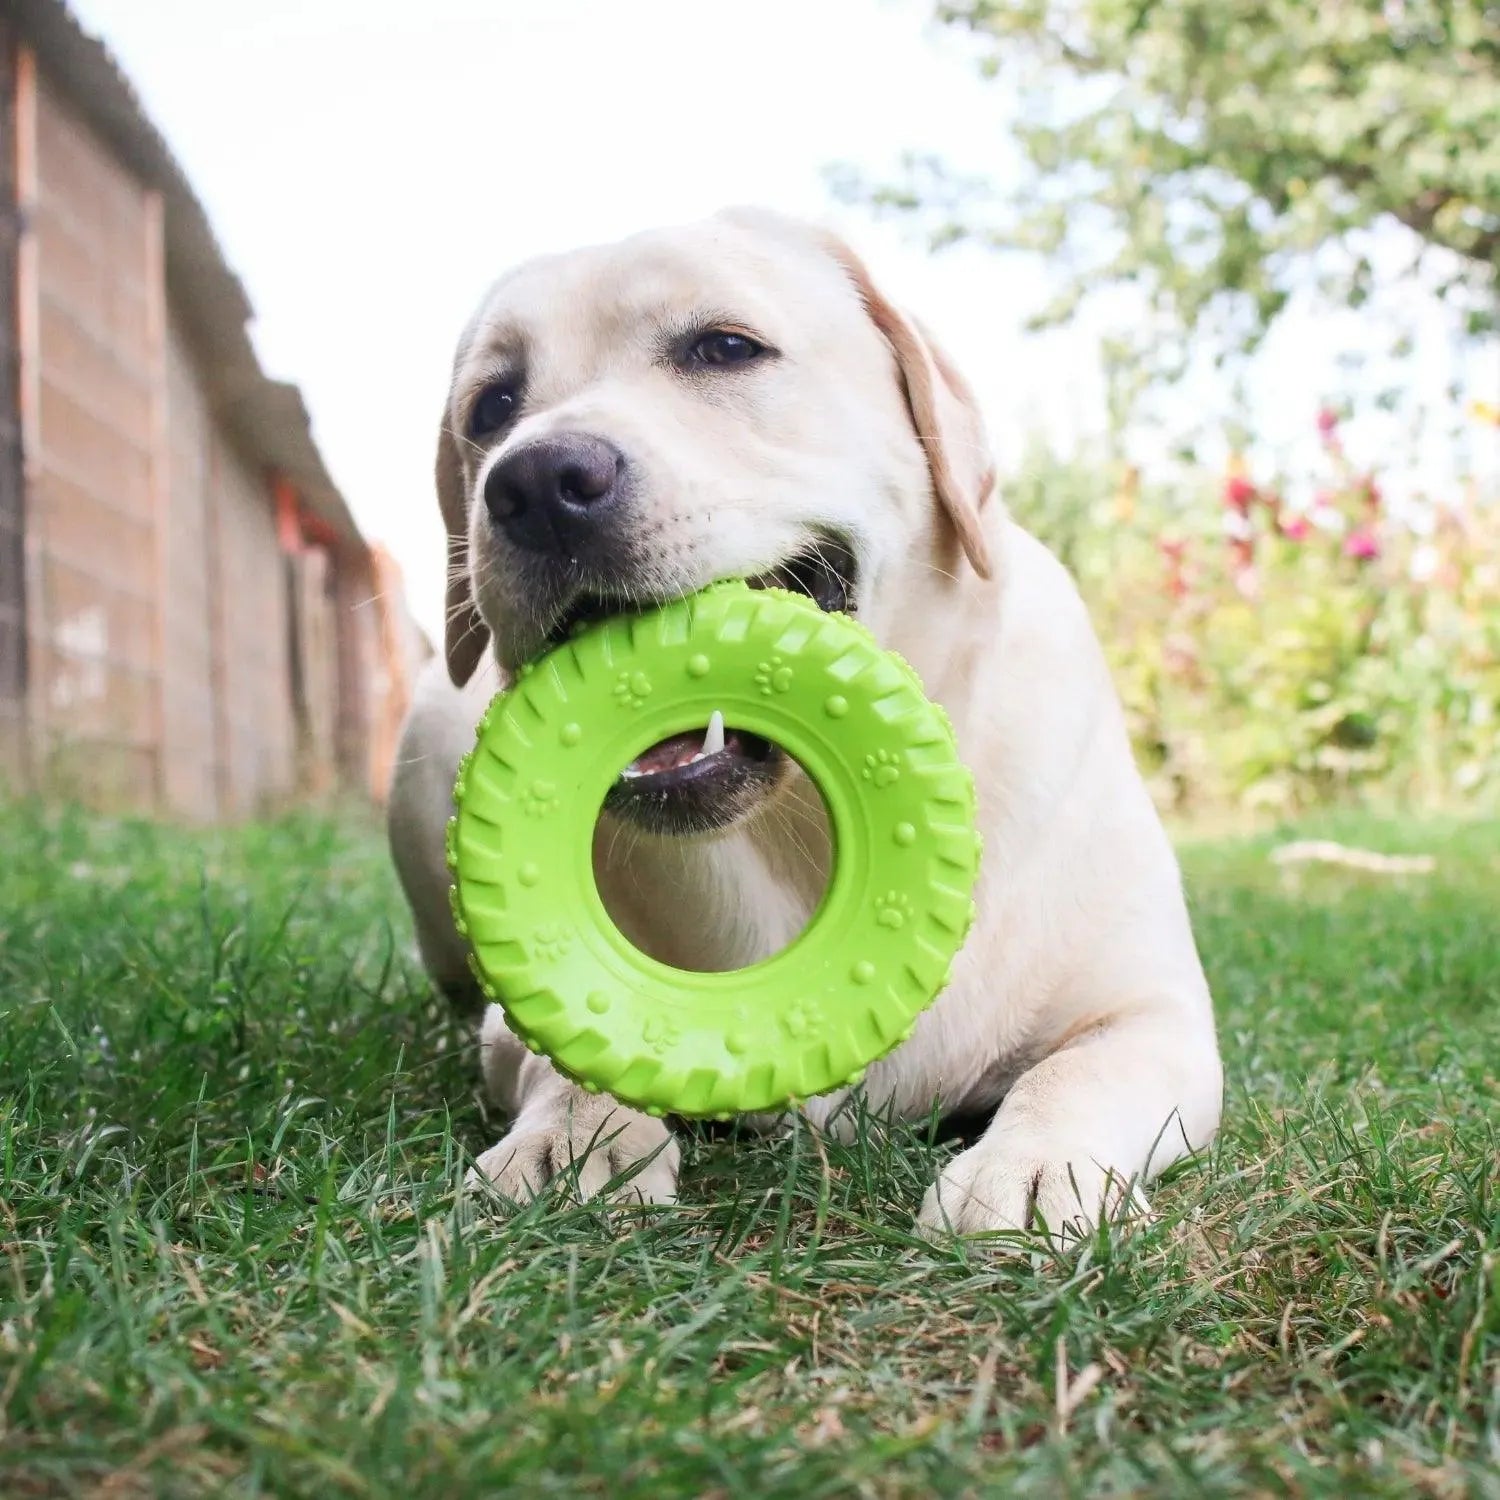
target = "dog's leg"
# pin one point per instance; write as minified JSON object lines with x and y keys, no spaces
{"x":559,"y":1131}
{"x":438,"y":732}
{"x":1079,"y":1131}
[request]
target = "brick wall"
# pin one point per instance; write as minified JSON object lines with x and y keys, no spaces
{"x":13,"y":756}
{"x":254,"y":666}
{"x":168,"y":641}
{"x":93,"y":585}
{"x":195,"y":772}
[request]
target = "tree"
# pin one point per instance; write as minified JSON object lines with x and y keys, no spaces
{"x":1218,"y":156}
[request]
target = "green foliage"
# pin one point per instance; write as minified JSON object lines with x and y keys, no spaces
{"x":1280,"y":659}
{"x":1215,"y":156}
{"x":1211,"y":161}
{"x":236,"y":1261}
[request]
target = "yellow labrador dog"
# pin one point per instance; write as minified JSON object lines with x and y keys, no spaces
{"x":738,"y":400}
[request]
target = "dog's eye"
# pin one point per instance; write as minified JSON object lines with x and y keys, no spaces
{"x":719,"y":349}
{"x":494,"y":408}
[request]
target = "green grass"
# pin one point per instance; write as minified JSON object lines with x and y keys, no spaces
{"x":233,"y":1259}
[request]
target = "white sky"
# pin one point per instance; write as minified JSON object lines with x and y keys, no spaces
{"x":370,"y":165}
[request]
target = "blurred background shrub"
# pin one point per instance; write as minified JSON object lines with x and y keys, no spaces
{"x":1277,"y":656}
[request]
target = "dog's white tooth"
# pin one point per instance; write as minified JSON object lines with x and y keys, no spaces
{"x":713,"y":739}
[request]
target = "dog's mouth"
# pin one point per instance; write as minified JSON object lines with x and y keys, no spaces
{"x":824,"y":572}
{"x":697,"y":782}
{"x":709,"y":778}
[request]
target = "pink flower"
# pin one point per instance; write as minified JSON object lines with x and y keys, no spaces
{"x":1362,"y":544}
{"x":1328,"y":421}
{"x":1296,"y":528}
{"x":1174,"y":550}
{"x":1238,"y":493}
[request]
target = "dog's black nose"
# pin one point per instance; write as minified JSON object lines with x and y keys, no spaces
{"x":551,"y":495}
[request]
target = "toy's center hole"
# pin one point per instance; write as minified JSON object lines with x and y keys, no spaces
{"x":713,"y":849}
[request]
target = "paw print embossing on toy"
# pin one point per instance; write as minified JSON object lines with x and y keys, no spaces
{"x":803,"y":1018}
{"x":661,"y":1033}
{"x":882,"y":767}
{"x":539,"y":800}
{"x":632,"y":689}
{"x":893,"y":910}
{"x":773,"y":676}
{"x":551,"y":940}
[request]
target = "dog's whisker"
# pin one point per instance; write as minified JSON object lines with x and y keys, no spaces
{"x":786,"y":820}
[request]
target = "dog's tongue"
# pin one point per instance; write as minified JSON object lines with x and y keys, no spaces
{"x":680,"y":749}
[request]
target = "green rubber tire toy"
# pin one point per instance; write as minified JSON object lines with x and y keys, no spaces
{"x":878,"y":949}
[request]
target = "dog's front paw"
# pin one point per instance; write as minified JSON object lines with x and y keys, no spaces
{"x":585,"y":1153}
{"x":998,"y":1185}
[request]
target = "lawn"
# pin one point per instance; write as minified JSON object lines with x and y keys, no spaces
{"x":234,"y":1260}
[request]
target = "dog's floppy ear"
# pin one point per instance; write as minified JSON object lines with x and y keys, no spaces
{"x":465,"y":635}
{"x":943,"y":412}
